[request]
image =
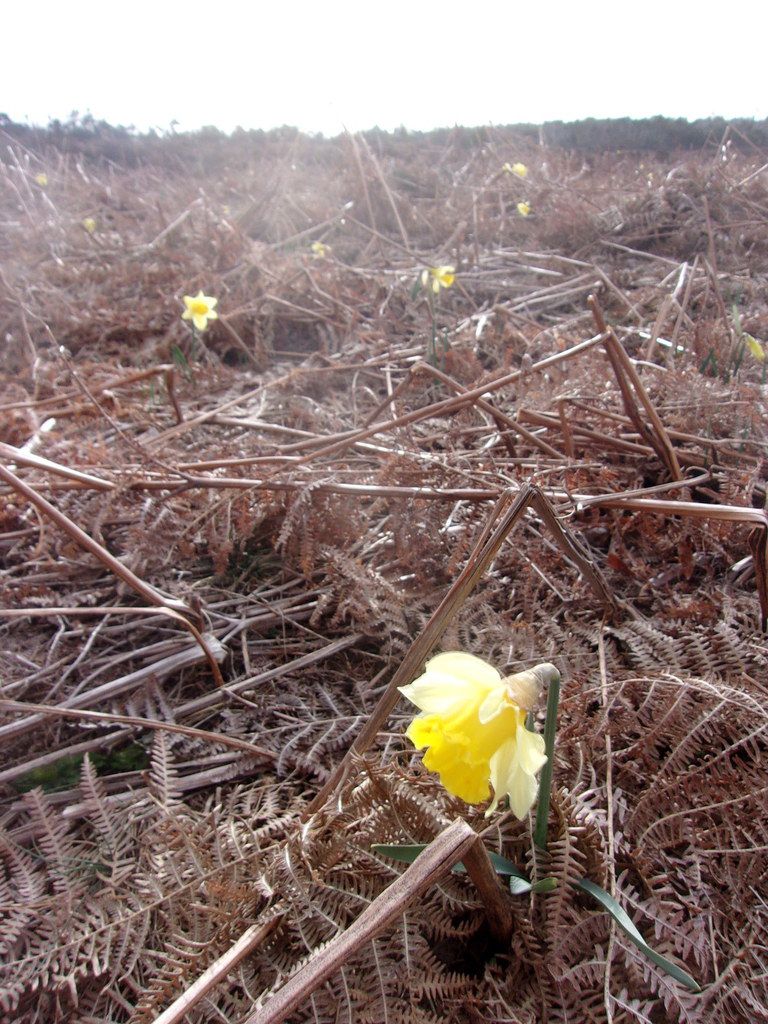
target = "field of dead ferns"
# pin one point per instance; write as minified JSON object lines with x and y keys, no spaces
{"x":218,"y":548}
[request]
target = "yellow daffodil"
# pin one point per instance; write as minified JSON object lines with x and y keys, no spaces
{"x":473,"y":726}
{"x":755,"y":348}
{"x":89,"y":224}
{"x":437,"y":278}
{"x":320,"y":249}
{"x":200,"y":310}
{"x":518,"y":169}
{"x":523,"y":209}
{"x":41,"y":179}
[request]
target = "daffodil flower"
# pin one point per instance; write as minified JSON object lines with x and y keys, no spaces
{"x":473,"y":726}
{"x":523,"y":209}
{"x":437,"y":278}
{"x":89,"y":224}
{"x":200,"y":310}
{"x":320,"y":249}
{"x":518,"y":169}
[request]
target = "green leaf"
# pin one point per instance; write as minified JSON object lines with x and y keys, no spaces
{"x":519,"y":886}
{"x":545,"y":885}
{"x":65,"y":772}
{"x":408,"y":854}
{"x":61,"y":774}
{"x":709,"y":359}
{"x":736,"y":318}
{"x":502,"y":866}
{"x":626,"y":924}
{"x":179,"y":358}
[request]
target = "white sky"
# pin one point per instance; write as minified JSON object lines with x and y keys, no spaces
{"x":330,"y":64}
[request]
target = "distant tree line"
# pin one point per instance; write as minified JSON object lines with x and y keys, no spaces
{"x":91,"y":139}
{"x":659,"y":134}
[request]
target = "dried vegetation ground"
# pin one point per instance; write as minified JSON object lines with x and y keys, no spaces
{"x":304,"y":487}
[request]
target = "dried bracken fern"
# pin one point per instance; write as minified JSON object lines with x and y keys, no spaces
{"x":308,"y":494}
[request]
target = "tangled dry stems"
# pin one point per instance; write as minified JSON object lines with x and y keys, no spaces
{"x":313,"y":549}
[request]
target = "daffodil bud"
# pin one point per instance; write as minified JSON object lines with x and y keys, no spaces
{"x":525,"y":688}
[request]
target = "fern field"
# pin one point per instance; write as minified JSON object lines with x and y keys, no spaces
{"x":217,"y":548}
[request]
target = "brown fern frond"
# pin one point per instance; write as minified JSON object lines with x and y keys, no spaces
{"x":163,"y":776}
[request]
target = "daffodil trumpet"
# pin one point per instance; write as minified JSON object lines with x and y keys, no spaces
{"x":473,"y":726}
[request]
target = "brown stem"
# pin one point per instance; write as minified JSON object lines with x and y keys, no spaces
{"x":502,"y":421}
{"x":251,"y":939}
{"x":144,"y":590}
{"x":455,"y":843}
{"x":103,"y":718}
{"x":629,"y":379}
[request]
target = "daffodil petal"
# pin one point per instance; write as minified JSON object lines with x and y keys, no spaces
{"x":438,"y":694}
{"x":509,"y":779}
{"x":199,"y":321}
{"x":493,"y":705}
{"x":465,"y":666}
{"x":754,"y":347}
{"x":530,"y":750}
{"x":522,"y":790}
{"x":450,"y":680}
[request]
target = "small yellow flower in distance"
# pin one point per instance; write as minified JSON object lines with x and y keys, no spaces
{"x":473,"y":726}
{"x":755,"y":348}
{"x":41,"y":179}
{"x":523,"y":209}
{"x":89,"y":224}
{"x":320,"y":250}
{"x":437,"y":278}
{"x":200,"y":310}
{"x":518,"y":169}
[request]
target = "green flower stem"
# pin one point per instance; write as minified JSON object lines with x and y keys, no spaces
{"x":545,"y":780}
{"x":432,"y":300}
